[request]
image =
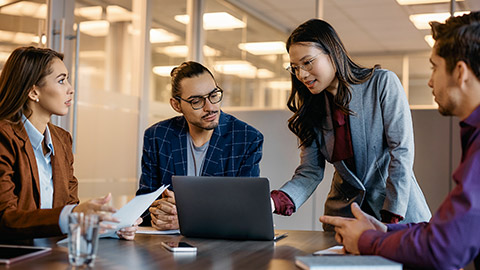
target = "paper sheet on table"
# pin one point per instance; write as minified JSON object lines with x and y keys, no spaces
{"x":130,"y":212}
{"x":151,"y":230}
{"x":335,"y":250}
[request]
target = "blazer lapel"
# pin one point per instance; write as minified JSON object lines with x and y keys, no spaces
{"x":59,"y":175}
{"x":327,"y":132}
{"x":180,"y":142}
{"x":357,"y":129}
{"x":27,"y":146}
{"x":212,"y":164}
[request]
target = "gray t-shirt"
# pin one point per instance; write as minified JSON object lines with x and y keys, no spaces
{"x":195,"y":157}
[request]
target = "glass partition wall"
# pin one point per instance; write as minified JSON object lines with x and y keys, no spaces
{"x":108,"y":101}
{"x":21,"y":24}
{"x":413,"y":70}
{"x":247,"y":56}
{"x":122,"y":91}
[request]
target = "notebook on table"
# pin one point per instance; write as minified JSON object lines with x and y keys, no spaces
{"x":224,"y":207}
{"x":331,"y":262}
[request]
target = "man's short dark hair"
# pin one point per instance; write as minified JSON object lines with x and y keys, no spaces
{"x":458,"y":39}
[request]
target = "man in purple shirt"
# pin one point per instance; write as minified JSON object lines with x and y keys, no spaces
{"x":451,"y":239}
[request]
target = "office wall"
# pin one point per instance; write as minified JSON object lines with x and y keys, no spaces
{"x":436,"y":155}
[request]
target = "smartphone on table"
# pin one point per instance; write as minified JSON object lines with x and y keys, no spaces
{"x":175,"y":246}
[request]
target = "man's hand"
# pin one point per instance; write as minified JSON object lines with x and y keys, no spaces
{"x":349,"y":230}
{"x":128,"y":233}
{"x":164,"y":212}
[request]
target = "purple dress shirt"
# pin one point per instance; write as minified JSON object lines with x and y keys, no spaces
{"x":452,"y":237}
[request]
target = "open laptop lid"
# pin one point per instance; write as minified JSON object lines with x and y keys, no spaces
{"x":224,"y":207}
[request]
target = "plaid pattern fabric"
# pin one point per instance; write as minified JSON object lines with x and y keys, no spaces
{"x":235,"y":149}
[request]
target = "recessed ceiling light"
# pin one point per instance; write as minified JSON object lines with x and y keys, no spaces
{"x":182,"y":51}
{"x":421,"y":20}
{"x":429,"y":39}
{"x":215,"y":21}
{"x":95,"y":28}
{"x":118,"y":14}
{"x":27,"y":9}
{"x":243,"y":69}
{"x":263,"y":73}
{"x":114,"y":13}
{"x":163,"y":71}
{"x":91,"y":13}
{"x":17,"y":37}
{"x":419,"y":2}
{"x":159,"y":35}
{"x":263,"y":48}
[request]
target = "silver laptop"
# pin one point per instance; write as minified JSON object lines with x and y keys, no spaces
{"x":224,"y":207}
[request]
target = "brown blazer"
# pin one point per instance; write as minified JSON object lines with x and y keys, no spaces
{"x":20,"y":213}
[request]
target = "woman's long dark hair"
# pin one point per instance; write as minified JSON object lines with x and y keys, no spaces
{"x":25,"y":67}
{"x":308,"y":109}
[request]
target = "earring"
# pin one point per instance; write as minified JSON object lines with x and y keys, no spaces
{"x":37,"y":100}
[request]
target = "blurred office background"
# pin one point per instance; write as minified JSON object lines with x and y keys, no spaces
{"x":120,"y":54}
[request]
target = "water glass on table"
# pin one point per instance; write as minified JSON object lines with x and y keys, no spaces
{"x":83,"y":238}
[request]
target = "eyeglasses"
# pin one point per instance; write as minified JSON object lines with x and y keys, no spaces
{"x":307,"y":66}
{"x":198,"y":102}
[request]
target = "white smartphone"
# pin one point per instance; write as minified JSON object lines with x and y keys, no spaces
{"x":179,"y":246}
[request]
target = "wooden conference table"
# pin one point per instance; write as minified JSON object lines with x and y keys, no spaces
{"x":146,"y":252}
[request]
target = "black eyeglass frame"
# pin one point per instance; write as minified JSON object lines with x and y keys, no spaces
{"x":203,"y":98}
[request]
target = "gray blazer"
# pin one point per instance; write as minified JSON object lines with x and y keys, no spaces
{"x":383,"y":147}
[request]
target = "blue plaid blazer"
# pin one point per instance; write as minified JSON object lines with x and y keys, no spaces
{"x":235,"y":149}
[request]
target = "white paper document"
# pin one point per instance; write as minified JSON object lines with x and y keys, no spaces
{"x":130,"y":212}
{"x":335,"y":250}
{"x":151,"y":230}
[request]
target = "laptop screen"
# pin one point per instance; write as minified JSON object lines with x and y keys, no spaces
{"x":224,"y":207}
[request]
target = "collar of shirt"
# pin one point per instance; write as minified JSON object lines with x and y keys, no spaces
{"x":43,"y":162}
{"x":36,"y":137}
{"x":473,"y":119}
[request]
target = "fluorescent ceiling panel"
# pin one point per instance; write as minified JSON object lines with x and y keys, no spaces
{"x":95,"y":28}
{"x":429,"y":39}
{"x":118,"y":14}
{"x":421,"y":20}
{"x":242,"y":69}
{"x":163,"y":71}
{"x":91,"y":13}
{"x":263,"y":48}
{"x":159,"y":35}
{"x":265,"y":74}
{"x":17,"y":37}
{"x":215,"y":21}
{"x":27,"y":9}
{"x":419,"y":2}
{"x":114,"y":13}
{"x":182,"y":51}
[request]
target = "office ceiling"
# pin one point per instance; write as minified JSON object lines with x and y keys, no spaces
{"x":365,"y":26}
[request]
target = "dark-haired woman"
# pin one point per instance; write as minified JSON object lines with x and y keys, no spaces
{"x":356,"y":118}
{"x":37,"y":186}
